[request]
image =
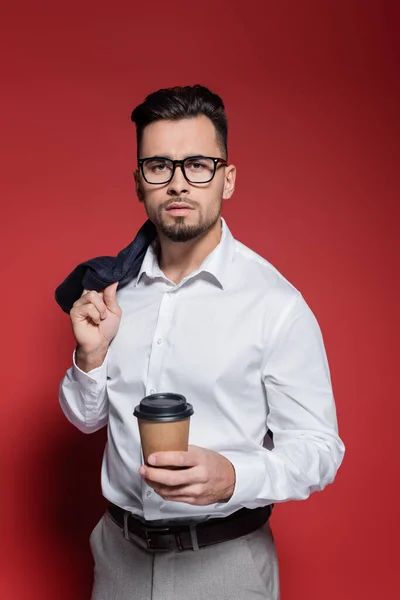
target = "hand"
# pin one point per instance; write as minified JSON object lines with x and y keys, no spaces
{"x":95,"y":320}
{"x":208,"y":477}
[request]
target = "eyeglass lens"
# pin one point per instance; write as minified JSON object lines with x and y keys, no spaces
{"x":160,"y":170}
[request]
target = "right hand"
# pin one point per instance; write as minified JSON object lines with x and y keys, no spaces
{"x":95,"y":320}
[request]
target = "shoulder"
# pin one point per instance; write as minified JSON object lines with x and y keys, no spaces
{"x":280,"y":303}
{"x":260,"y":275}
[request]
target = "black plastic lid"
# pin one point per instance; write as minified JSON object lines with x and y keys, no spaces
{"x":163,"y":408}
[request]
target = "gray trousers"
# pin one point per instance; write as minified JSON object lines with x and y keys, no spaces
{"x":242,"y":569}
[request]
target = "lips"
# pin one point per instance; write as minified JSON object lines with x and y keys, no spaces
{"x":178,"y":206}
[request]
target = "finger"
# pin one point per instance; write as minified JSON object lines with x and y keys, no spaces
{"x":110,"y":297}
{"x":94,"y":298}
{"x":174,"y":458}
{"x":179,"y":491}
{"x":187,"y":500}
{"x":89,"y":311}
{"x":88,"y":291}
{"x":168,"y":477}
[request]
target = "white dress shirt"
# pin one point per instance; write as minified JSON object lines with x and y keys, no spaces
{"x":240,"y":343}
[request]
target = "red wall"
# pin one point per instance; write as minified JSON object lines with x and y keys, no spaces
{"x":312,"y":94}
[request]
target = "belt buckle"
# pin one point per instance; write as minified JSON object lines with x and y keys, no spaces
{"x":149,"y":539}
{"x":169,"y":542}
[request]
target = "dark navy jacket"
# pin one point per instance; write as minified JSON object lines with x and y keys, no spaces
{"x":98,"y":273}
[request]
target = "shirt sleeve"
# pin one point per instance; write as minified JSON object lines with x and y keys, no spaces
{"x":83,"y":397}
{"x":307,"y":450}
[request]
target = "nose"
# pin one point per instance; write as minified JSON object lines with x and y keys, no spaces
{"x":178,"y":184}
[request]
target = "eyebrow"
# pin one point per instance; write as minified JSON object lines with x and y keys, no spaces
{"x":199,"y":154}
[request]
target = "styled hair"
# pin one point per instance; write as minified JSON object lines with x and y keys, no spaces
{"x":177,"y":103}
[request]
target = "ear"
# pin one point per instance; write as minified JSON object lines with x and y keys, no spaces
{"x":139,"y":191}
{"x":229,"y":183}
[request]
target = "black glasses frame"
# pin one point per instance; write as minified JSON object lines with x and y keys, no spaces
{"x":181,"y":163}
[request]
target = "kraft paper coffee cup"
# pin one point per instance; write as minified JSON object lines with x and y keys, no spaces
{"x":163,"y":421}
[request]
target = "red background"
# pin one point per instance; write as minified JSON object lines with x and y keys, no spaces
{"x":311,"y":90}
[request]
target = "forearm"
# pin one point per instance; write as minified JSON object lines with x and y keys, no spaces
{"x":83,"y":396}
{"x":87,"y":361}
{"x":299,"y":465}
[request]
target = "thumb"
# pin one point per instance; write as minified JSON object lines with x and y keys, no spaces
{"x":110,"y":297}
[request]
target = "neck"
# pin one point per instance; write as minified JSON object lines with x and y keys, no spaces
{"x":178,"y":259}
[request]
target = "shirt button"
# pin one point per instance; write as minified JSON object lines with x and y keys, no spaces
{"x":149,"y":494}
{"x":152,"y":391}
{"x":159,"y":341}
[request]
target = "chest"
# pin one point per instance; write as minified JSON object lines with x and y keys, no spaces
{"x":201,"y":333}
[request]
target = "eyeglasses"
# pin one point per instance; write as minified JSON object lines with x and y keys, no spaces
{"x":159,"y":170}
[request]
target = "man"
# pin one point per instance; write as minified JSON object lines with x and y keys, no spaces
{"x":208,"y":318}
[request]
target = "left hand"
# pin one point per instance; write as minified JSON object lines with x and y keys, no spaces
{"x":208,"y":477}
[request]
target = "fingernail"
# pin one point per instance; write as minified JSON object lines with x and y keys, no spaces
{"x":103,"y":316}
{"x":142,"y":471}
{"x":152,"y":460}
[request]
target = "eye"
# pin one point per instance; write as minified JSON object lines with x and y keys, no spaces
{"x":197,"y":164}
{"x":157,"y":166}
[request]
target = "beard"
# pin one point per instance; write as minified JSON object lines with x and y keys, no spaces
{"x":185,"y":232}
{"x":180,"y":231}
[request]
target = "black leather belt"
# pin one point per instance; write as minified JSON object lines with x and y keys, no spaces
{"x":189,"y":536}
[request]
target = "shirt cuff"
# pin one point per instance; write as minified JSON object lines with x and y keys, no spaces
{"x":250,"y":476}
{"x":93,"y":381}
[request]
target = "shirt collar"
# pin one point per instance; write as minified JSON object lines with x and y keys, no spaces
{"x":215,"y":264}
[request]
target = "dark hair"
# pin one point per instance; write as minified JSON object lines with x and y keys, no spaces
{"x":182,"y":103}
